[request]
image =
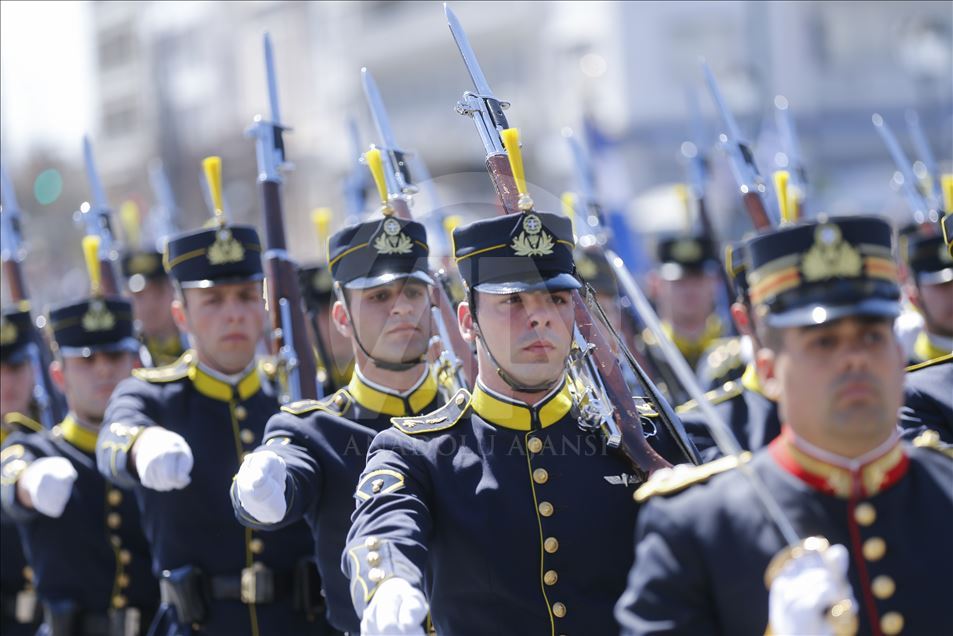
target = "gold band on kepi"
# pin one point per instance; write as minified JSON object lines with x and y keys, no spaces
{"x":219,"y":255}
{"x":817,"y":272}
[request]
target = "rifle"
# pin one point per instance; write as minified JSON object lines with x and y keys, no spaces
{"x":288,"y":334}
{"x":933,"y":187}
{"x":605,"y":403}
{"x":924,"y":211}
{"x":48,"y":401}
{"x":96,"y":217}
{"x":750,"y":183}
{"x":456,"y":363}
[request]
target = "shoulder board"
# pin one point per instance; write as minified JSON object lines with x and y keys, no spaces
{"x":334,"y":404}
{"x":680,"y":479}
{"x":439,"y":420}
{"x":930,"y":363}
{"x":931,"y":439}
{"x":168,"y":373}
{"x":716,"y":396}
{"x":22,"y":422}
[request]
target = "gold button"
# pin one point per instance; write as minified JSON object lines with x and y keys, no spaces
{"x":551,"y":545}
{"x":119,"y":601}
{"x":550,"y":577}
{"x":28,"y":573}
{"x":371,"y":543}
{"x":373,"y":558}
{"x":546,"y":509}
{"x":257,"y":546}
{"x":376,"y":575}
{"x":460,"y":400}
{"x":113,"y":520}
{"x":534,"y":444}
{"x":240,"y":412}
{"x":874,"y":548}
{"x":125,"y":557}
{"x":883,"y":587}
{"x":891,"y":623}
{"x":247,"y":436}
{"x":540,"y":476}
{"x":122,"y":580}
{"x":339,"y":400}
{"x":114,"y":497}
{"x":865,"y":514}
{"x":559,"y":610}
{"x":116,"y":540}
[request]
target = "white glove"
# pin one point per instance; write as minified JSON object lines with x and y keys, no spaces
{"x":804,"y":590}
{"x":163,"y":459}
{"x":397,"y":608}
{"x":49,"y":482}
{"x":260,"y":485}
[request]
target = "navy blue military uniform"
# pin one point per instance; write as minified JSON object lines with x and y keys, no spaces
{"x":90,"y":565}
{"x":510,"y":517}
{"x":928,"y":399}
{"x":216,"y":576}
{"x":324,"y":443}
{"x":702,"y":554}
{"x":930,"y":263}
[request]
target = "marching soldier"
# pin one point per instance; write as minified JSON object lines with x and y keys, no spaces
{"x":930,"y":289}
{"x":827,"y":293}
{"x":928,"y":400}
{"x":743,"y":404}
{"x":84,"y":542}
{"x":151,"y":293}
{"x":317,"y":292}
{"x":19,"y":615}
{"x":498,"y":510}
{"x":313,"y":452}
{"x":176,"y":436}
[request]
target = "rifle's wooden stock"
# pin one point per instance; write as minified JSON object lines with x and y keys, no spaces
{"x":499,"y":168}
{"x":108,"y":282}
{"x":461,"y":349}
{"x":16,"y":286}
{"x":282,"y":276}
{"x":756,"y":210}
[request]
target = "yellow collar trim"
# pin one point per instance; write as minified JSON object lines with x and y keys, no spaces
{"x":690,"y":348}
{"x":925,"y":349}
{"x":78,"y":435}
{"x":380,"y":400}
{"x":751,"y":381}
{"x":505,"y":413}
{"x":222,"y":391}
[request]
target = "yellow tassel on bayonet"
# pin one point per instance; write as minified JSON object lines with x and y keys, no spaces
{"x":213,"y":178}
{"x":321,"y":219}
{"x":946,"y":184}
{"x":787,"y":202}
{"x":131,"y":223}
{"x":511,"y":141}
{"x":93,"y":266}
{"x":375,"y":163}
{"x":569,"y":201}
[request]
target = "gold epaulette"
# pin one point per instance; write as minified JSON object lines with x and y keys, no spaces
{"x":22,"y":421}
{"x":439,"y":420}
{"x":930,"y":363}
{"x":167,"y":373}
{"x":716,"y":396}
{"x":681,"y":479}
{"x":334,"y":404}
{"x":931,"y":439}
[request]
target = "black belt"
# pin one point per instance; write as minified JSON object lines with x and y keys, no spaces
{"x":68,"y":621}
{"x":253,"y":585}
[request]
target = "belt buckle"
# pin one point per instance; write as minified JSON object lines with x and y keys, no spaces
{"x":258,"y":584}
{"x":25,"y":608}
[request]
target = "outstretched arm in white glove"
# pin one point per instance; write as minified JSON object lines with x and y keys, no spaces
{"x":260,"y":485}
{"x":397,"y":608}
{"x":45,"y":485}
{"x":163,"y":459}
{"x":806,"y":589}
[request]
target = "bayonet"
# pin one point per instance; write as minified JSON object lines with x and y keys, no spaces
{"x":398,"y":172}
{"x":922,"y":146}
{"x":797,"y":185}
{"x":918,"y":203}
{"x":96,"y":217}
{"x":162,"y":219}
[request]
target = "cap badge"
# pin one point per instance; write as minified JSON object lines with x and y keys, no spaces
{"x":533,"y":241}
{"x":8,"y":332}
{"x":143,"y":264}
{"x":392,"y":240}
{"x":98,"y":317}
{"x":586,"y":267}
{"x":687,"y":251}
{"x":830,"y":256}
{"x":322,"y":281}
{"x":225,"y":249}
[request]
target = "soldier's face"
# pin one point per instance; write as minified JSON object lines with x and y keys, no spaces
{"x":16,"y":387}
{"x":152,"y":308}
{"x":225,"y":323}
{"x":391,"y":321}
{"x":840,"y":384}
{"x":688,"y":299}
{"x":87,"y":383}
{"x":529,"y":334}
{"x":936,"y":303}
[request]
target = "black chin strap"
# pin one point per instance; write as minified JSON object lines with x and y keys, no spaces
{"x":403,"y":365}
